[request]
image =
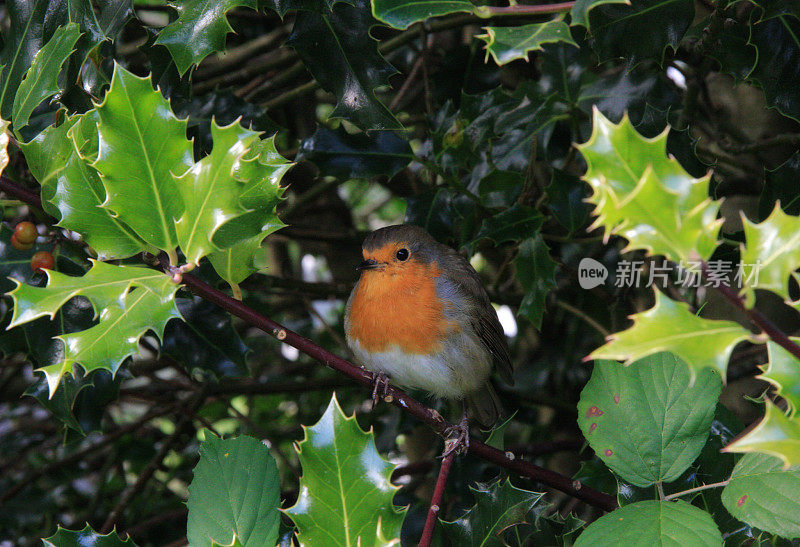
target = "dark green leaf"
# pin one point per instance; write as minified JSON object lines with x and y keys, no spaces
{"x":338,"y":50}
{"x":778,"y":68}
{"x":234,"y":495}
{"x":781,"y":185}
{"x":356,"y":155}
{"x":505,"y":44}
{"x":403,"y":13}
{"x":647,"y":421}
{"x":580,"y":10}
{"x":536,"y":273}
{"x":566,"y":199}
{"x":514,"y":224}
{"x":500,"y":188}
{"x":86,"y":538}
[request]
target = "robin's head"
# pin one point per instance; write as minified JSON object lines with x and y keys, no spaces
{"x":395,"y":249}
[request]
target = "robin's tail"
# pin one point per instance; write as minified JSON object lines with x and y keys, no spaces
{"x":484,"y":405}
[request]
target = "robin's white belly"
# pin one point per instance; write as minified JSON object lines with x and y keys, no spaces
{"x":450,"y":373}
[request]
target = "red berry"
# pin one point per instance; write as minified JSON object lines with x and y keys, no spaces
{"x":42,"y":261}
{"x":26,"y":232}
{"x":20,"y":246}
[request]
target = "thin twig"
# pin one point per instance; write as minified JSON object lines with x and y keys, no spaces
{"x":436,"y":500}
{"x":696,"y":489}
{"x":579,"y":313}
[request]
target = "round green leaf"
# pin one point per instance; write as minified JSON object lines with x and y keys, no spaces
{"x":234,"y":495}
{"x":653,"y":523}
{"x":646,"y":421}
{"x":763,"y":494}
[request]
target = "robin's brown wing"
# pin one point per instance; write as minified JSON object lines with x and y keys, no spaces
{"x":484,"y":320}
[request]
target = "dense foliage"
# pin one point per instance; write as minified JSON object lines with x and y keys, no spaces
{"x":623,"y":176}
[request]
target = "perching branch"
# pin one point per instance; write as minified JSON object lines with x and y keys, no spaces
{"x":436,"y":500}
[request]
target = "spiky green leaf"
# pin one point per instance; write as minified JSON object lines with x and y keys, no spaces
{"x":580,"y":9}
{"x":505,"y":44}
{"x":401,"y":14}
{"x":776,"y":434}
{"x":783,"y":371}
{"x":86,"y":538}
{"x":536,"y":273}
{"x":3,"y":144}
{"x":345,"y":492}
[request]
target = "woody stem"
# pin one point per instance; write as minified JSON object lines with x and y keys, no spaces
{"x":436,"y":500}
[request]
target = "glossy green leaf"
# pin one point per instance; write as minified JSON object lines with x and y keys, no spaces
{"x":778,"y":62}
{"x":345,"y":492}
{"x":566,"y":199}
{"x":771,"y":252}
{"x":60,"y":159}
{"x":671,"y":326}
{"x":648,"y":421}
{"x":653,"y":523}
{"x":776,"y":434}
{"x":86,"y":538}
{"x":505,"y":44}
{"x":234,"y":495}
{"x":142,"y":145}
{"x":338,"y":50}
{"x":128,"y":300}
{"x":645,"y":196}
{"x":514,"y":224}
{"x":40,"y":81}
{"x":783,"y":371}
{"x":499,"y":507}
{"x":763,"y":494}
{"x":237,"y":263}
{"x":401,"y":14}
{"x":641,"y":30}
{"x":25,"y":37}
{"x":580,"y":10}
{"x":536,"y":272}
{"x":356,"y":155}
{"x":199,"y":30}
{"x":3,"y":144}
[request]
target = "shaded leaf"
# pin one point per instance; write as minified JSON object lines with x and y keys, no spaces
{"x":199,"y":30}
{"x":764,"y":495}
{"x":235,"y":494}
{"x":345,"y":491}
{"x":505,"y":44}
{"x":536,"y":271}
{"x":566,"y":200}
{"x":514,"y":224}
{"x":401,"y":14}
{"x":85,"y":538}
{"x":780,"y":185}
{"x":142,"y":144}
{"x":338,"y":50}
{"x":498,"y":507}
{"x":356,"y":155}
{"x":776,"y":434}
{"x":777,"y":69}
{"x":653,"y":523}
{"x":580,"y":10}
{"x":648,"y":422}
{"x":40,"y":81}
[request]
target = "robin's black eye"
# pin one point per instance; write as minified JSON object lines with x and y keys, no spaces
{"x":402,"y":254}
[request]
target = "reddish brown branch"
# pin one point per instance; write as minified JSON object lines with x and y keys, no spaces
{"x":23,"y":194}
{"x":436,"y":500}
{"x":518,"y":9}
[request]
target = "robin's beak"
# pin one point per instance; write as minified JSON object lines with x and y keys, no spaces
{"x":368,"y":264}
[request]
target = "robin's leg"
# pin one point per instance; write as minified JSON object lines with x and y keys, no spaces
{"x":380,"y":387}
{"x":457,"y":436}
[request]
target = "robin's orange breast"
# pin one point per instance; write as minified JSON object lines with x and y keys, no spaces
{"x":399,"y":306}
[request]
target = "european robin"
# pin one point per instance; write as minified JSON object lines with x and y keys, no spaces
{"x":420,"y":316}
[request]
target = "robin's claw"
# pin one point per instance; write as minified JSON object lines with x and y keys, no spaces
{"x":380,"y":387}
{"x":456,"y":438}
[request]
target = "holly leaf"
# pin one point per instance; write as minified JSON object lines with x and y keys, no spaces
{"x":580,"y":10}
{"x":536,"y":273}
{"x":86,"y":538}
{"x":338,"y":50}
{"x":670,"y":326}
{"x":401,"y":14}
{"x":128,"y":300}
{"x":345,"y":485}
{"x":648,"y":421}
{"x":40,"y":81}
{"x":142,"y":144}
{"x":783,"y":372}
{"x":237,"y":263}
{"x":199,"y":30}
{"x":640,"y":30}
{"x":777,"y":40}
{"x":641,"y":194}
{"x":498,"y":507}
{"x":770,"y":254}
{"x":234,"y":495}
{"x":653,"y":522}
{"x":3,"y":144}
{"x":356,"y":155}
{"x":505,"y":44}
{"x":763,"y":494}
{"x":59,"y":158}
{"x":776,"y":434}
{"x":515,"y":223}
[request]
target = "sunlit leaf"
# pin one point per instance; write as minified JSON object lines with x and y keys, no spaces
{"x":671,"y":326}
{"x":199,"y":30}
{"x":236,"y":263}
{"x":776,"y":434}
{"x":653,"y":523}
{"x":505,"y":44}
{"x":3,"y":144}
{"x":783,"y":371}
{"x":40,"y":81}
{"x":345,"y":492}
{"x":498,"y":507}
{"x":234,"y":495}
{"x":580,"y":10}
{"x":86,"y":538}
{"x":763,"y":494}
{"x":128,"y":300}
{"x":401,"y":14}
{"x":647,"y":421}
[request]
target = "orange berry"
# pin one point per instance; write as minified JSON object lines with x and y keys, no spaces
{"x":26,"y":232}
{"x":20,"y":246}
{"x":42,"y":261}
